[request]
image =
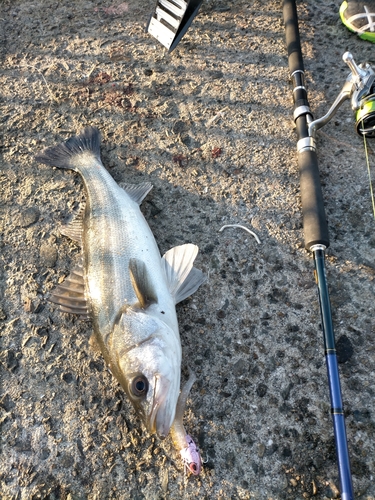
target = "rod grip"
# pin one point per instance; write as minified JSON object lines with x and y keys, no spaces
{"x":314,"y":218}
{"x":292,"y":36}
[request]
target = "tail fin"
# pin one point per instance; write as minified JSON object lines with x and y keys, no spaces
{"x":62,"y":155}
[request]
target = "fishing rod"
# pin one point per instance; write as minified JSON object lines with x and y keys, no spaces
{"x":359,"y":88}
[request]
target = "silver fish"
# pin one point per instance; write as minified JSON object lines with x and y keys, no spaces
{"x":123,"y":284}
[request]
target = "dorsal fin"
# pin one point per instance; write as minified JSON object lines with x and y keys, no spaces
{"x":70,"y":295}
{"x":74,"y":228}
{"x":137,"y":192}
{"x":141,"y":283}
{"x":183,"y":279}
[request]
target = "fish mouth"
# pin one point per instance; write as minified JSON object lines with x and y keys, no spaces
{"x":162,"y":414}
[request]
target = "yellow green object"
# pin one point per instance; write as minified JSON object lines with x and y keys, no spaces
{"x":365,"y":32}
{"x":365,"y":116}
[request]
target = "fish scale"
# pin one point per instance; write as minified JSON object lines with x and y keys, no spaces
{"x":110,"y":241}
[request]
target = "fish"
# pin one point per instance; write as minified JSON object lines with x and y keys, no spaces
{"x":122,"y":283}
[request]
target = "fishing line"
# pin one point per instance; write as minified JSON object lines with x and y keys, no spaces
{"x":369,"y":171}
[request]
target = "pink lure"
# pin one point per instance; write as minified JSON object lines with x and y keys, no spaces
{"x":191,"y":457}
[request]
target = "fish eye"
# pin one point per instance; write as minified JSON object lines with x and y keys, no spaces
{"x":139,"y":386}
{"x":193,"y":468}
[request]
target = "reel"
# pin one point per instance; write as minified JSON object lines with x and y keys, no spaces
{"x":359,"y":87}
{"x":365,"y":116}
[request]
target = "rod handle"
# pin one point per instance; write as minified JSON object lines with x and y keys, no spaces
{"x":292,"y":36}
{"x":314,"y":218}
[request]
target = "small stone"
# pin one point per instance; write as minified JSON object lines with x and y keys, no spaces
{"x":362,"y":416}
{"x":66,"y":461}
{"x":222,"y":8}
{"x":80,"y":448}
{"x":179,"y":127}
{"x":272,"y":449}
{"x":7,"y":403}
{"x":215,"y":74}
{"x":187,"y":140}
{"x":261,"y":450}
{"x":344,"y":349}
{"x":359,"y":468}
{"x":67,"y":377}
{"x":230,"y":459}
{"x":164,"y":478}
{"x":42,"y":332}
{"x":11,"y":361}
{"x":96,"y":365}
{"x":209,"y":249}
{"x":27,"y":217}
{"x":23,"y":445}
{"x":286,"y":452}
{"x":286,"y":392}
{"x":293,"y":328}
{"x":240,"y":367}
{"x":332,"y":491}
{"x":48,"y":254}
{"x":261,"y":390}
{"x":28,"y":305}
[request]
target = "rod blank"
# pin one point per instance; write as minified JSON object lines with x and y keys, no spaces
{"x":337,"y":411}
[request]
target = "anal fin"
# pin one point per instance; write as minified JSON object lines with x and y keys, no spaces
{"x":70,"y":295}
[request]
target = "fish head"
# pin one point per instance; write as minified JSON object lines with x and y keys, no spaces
{"x":150,"y":373}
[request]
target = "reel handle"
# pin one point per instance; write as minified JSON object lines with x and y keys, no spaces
{"x":354,"y":68}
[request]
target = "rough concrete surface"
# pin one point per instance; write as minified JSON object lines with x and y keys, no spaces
{"x":211,"y":127}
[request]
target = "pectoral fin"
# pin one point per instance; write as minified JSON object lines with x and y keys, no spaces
{"x":70,"y":295}
{"x":182,"y":277}
{"x":141,"y":283}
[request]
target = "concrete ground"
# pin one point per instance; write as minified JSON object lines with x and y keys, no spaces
{"x":211,"y":127}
